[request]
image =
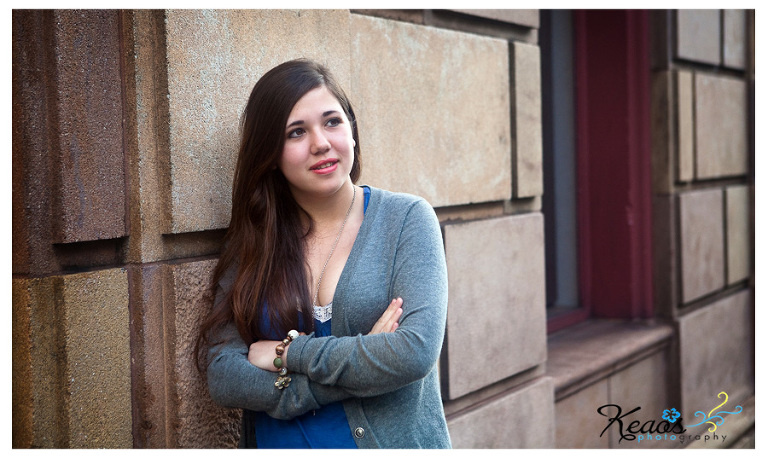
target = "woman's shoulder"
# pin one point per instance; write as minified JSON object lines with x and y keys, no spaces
{"x":402,"y":209}
{"x":396,"y":200}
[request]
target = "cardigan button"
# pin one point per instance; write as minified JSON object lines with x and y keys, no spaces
{"x":359,"y":432}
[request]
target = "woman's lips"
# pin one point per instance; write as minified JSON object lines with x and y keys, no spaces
{"x":325,"y":167}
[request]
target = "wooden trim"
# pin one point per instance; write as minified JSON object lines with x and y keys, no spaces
{"x":612,"y":71}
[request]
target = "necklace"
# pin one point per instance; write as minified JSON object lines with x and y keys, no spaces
{"x":335,"y":242}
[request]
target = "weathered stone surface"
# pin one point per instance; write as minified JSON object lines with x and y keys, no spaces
{"x":664,"y":128}
{"x":31,"y":203}
{"x":495,"y":273}
{"x":666,"y":258}
{"x":44,"y":401}
{"x":90,"y":202}
{"x":717,"y":354}
{"x":701,"y":243}
{"x":198,"y":422}
{"x":433,"y":111}
{"x":528,"y":18}
{"x":738,"y":233}
{"x":147,"y":154}
{"x":150,"y":403}
{"x":640,"y":385}
{"x":98,"y":359}
{"x":524,"y":418}
{"x":22,"y":410}
{"x":698,"y":35}
{"x":214,"y":59}
{"x":72,"y":356}
{"x":528,"y":174}
{"x":734,"y":38}
{"x":721,"y":126}
{"x":68,"y":179}
{"x":684,"y":125}
{"x":576,"y":426}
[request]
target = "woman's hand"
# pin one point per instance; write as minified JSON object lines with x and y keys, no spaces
{"x":388,"y":321}
{"x":262,"y":354}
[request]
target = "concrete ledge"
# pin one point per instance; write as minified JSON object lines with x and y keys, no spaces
{"x":592,"y":350}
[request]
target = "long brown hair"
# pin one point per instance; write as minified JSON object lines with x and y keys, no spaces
{"x":266,"y":239}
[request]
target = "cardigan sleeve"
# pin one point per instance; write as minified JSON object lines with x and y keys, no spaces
{"x":370,"y":365}
{"x":234,"y":382}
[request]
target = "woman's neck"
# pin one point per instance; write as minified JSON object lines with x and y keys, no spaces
{"x":327,"y":212}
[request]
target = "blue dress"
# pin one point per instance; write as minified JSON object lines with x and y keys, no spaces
{"x":326,"y":427}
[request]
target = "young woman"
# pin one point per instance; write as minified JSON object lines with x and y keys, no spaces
{"x":331,"y":298}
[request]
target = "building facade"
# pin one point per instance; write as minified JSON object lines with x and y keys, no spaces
{"x":593,"y":173}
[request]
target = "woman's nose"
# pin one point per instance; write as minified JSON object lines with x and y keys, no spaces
{"x":320,"y":143}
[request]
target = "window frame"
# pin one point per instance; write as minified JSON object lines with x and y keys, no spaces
{"x":611,"y":52}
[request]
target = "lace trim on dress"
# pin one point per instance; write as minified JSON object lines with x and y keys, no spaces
{"x":322,"y":313}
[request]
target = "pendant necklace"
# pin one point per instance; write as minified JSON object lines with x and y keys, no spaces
{"x":338,"y":236}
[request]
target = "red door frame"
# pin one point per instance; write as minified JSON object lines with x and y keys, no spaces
{"x":612,"y":72}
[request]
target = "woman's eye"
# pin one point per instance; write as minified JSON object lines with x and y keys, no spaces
{"x":333,"y":122}
{"x":295,"y":133}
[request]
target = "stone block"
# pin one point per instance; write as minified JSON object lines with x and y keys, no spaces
{"x":702,"y":254}
{"x":734,"y":38}
{"x":22,"y":408}
{"x":214,"y":58}
{"x":643,"y":384}
{"x":526,"y":107}
{"x":31,"y":171}
{"x":72,"y":360}
{"x":496,"y":300}
{"x":685,"y":125}
{"x":88,"y":139}
{"x":666,"y":287}
{"x":523,"y":418}
{"x":527,"y":18}
{"x":577,"y":424}
{"x":148,"y":353}
{"x":457,"y":86}
{"x":72,"y":357}
{"x":738,"y":233}
{"x":664,"y":125}
{"x":40,"y":399}
{"x":98,"y":359}
{"x":196,"y":420}
{"x":717,"y":353}
{"x":721,"y":126}
{"x":698,"y":35}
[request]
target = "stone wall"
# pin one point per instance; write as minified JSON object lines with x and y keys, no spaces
{"x":125,"y":136}
{"x":704,"y":200}
{"x":702,"y":342}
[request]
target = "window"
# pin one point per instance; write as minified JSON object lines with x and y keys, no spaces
{"x":597,"y":202}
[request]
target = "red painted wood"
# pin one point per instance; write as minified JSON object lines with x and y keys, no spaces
{"x":613,"y":141}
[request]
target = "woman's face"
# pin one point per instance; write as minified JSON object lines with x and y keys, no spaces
{"x":319,"y":149}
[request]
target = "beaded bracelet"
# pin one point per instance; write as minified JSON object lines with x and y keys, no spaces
{"x":283,"y":379}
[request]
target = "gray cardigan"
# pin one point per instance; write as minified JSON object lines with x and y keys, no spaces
{"x":388,"y":382}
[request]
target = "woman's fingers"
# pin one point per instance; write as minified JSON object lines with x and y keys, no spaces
{"x":388,"y":321}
